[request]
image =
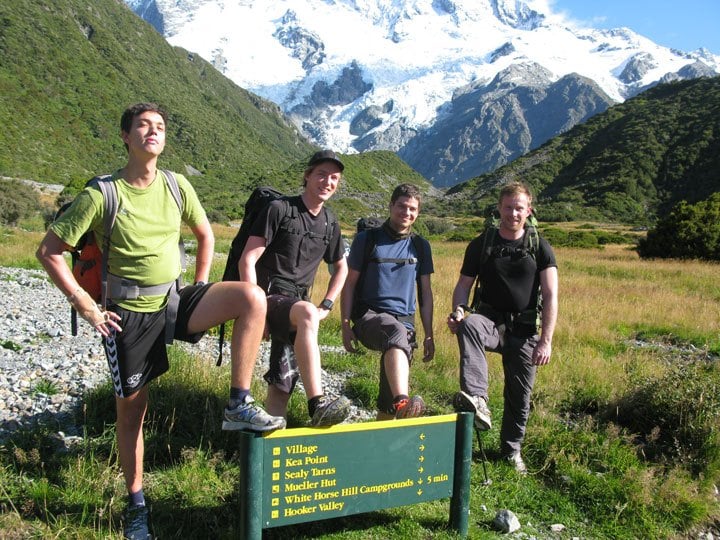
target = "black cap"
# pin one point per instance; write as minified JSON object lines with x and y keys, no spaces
{"x":325,"y":155}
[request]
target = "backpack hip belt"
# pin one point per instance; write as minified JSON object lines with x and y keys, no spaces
{"x":511,"y":320}
{"x":119,"y":288}
{"x":287,"y":288}
{"x":126,"y":289}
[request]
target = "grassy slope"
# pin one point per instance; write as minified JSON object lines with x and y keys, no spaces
{"x":622,"y":441}
{"x":70,"y":67}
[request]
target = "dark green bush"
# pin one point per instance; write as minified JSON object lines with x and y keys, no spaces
{"x":556,"y":237}
{"x":689,"y":231}
{"x":605,"y":237}
{"x":437,"y":225}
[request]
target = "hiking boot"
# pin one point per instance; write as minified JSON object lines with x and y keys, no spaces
{"x":516,"y":460}
{"x":135,"y":523}
{"x":252,"y":417}
{"x":330,"y":411}
{"x":409,"y":408}
{"x":475,"y":404}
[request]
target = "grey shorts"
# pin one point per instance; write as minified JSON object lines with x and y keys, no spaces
{"x":381,"y":332}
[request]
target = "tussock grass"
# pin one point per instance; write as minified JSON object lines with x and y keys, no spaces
{"x":17,"y":247}
{"x":622,"y":441}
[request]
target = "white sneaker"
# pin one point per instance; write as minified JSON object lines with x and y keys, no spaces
{"x":516,"y":460}
{"x":475,"y":404}
{"x":252,"y":417}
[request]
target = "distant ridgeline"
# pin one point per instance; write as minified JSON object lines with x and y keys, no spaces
{"x":72,"y":66}
{"x":630,"y":164}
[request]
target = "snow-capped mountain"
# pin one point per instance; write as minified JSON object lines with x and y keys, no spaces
{"x":456,"y":87}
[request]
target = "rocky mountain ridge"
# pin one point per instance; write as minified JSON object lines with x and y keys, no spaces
{"x":359,"y":75}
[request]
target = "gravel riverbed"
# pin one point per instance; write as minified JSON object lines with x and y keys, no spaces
{"x":45,"y":370}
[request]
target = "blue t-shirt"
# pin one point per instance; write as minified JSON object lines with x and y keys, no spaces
{"x":389,"y":287}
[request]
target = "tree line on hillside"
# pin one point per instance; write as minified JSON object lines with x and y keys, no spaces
{"x":687,"y":232}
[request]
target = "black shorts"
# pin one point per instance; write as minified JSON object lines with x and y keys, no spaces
{"x":278,"y":317}
{"x":138,"y":354}
{"x":283,"y":372}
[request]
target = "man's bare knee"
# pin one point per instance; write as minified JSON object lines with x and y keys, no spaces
{"x":395,"y":354}
{"x":304,"y":315}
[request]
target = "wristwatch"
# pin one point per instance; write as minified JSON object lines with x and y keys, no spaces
{"x":327,"y":304}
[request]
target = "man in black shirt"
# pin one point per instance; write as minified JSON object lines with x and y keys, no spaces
{"x":287,"y":242}
{"x":511,"y":275}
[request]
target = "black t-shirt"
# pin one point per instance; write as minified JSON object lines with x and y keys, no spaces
{"x":295,"y":254}
{"x":509,"y":281}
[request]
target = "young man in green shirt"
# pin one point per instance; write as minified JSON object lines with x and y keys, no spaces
{"x":143,"y":250}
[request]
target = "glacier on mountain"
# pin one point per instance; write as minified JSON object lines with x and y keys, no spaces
{"x":358,"y":75}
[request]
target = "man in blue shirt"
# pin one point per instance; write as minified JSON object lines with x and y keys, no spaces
{"x":378,"y":298}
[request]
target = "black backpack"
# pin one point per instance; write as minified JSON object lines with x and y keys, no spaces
{"x":258,"y":200}
{"x":256,"y":203}
{"x":373,"y":226}
{"x":365,"y":223}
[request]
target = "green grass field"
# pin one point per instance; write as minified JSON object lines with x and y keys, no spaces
{"x":622,"y":442}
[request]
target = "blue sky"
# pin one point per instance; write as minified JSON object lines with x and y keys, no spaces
{"x":685,"y":25}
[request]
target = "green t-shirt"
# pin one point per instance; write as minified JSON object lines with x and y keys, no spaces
{"x":144,"y":240}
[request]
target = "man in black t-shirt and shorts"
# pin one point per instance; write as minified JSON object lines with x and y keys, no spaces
{"x":505,"y":319}
{"x":287,"y":242}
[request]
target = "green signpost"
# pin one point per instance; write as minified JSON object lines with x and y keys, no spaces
{"x":298,"y":475}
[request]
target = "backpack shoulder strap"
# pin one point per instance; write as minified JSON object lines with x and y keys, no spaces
{"x":174,"y":188}
{"x":288,"y":221}
{"x":487,"y":245}
{"x":172,"y":184}
{"x":291,"y":210}
{"x":531,"y":240}
{"x":329,"y":224}
{"x":107,"y":187}
{"x":370,"y":243}
{"x":485,"y":253}
{"x":417,"y":242}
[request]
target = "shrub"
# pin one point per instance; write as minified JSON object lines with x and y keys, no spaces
{"x":688,"y":232}
{"x":675,"y":416}
{"x":17,"y":201}
{"x":556,"y":237}
{"x":437,"y":225}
